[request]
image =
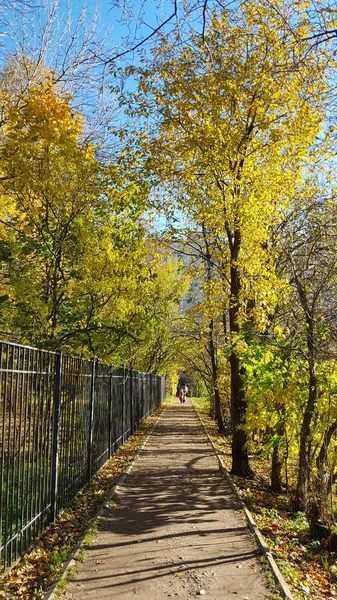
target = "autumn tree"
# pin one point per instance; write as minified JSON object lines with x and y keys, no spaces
{"x":62,"y":203}
{"x":160,"y":340}
{"x":207,"y":300}
{"x":309,"y":252}
{"x":94,"y":281}
{"x":235,"y":116}
{"x":290,"y":371}
{"x":65,"y":43}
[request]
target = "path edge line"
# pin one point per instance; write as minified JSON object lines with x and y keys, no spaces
{"x":52,"y":592}
{"x":285,"y":592}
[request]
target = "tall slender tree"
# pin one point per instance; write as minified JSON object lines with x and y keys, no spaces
{"x":235,"y":113}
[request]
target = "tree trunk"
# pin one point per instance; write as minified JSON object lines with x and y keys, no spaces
{"x":276,"y":466}
{"x":276,"y":463}
{"x":240,"y":461}
{"x":217,"y":400}
{"x":322,"y":487}
{"x":56,"y":295}
{"x":304,"y":463}
{"x":218,"y":411}
{"x":211,"y":345}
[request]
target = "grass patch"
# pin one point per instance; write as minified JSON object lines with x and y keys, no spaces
{"x":202,"y":404}
{"x":61,"y":586}
{"x":90,"y":537}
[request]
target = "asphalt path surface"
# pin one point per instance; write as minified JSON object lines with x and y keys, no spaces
{"x":176,"y":531}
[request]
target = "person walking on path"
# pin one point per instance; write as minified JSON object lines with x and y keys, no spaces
{"x":183,"y":393}
{"x":175,"y":530}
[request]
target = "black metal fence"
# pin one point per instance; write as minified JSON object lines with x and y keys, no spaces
{"x":61,"y":419}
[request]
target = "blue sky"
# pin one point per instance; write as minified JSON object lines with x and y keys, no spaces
{"x":115,"y":31}
{"x":128,"y":21}
{"x":128,"y":26}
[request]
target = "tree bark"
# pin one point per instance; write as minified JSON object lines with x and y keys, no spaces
{"x":276,"y":467}
{"x":322,"y":480}
{"x":304,"y":463}
{"x":277,"y":462}
{"x":211,"y":345}
{"x":216,"y":393}
{"x":240,"y":460}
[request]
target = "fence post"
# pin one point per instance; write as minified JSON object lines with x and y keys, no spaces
{"x":91,"y":418}
{"x":110,"y":414}
{"x":123,"y":405}
{"x":131,"y":400}
{"x":55,"y":438}
{"x":137,"y":398}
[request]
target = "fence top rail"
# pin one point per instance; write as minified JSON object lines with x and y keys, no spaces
{"x":26,"y":347}
{"x":125,"y":375}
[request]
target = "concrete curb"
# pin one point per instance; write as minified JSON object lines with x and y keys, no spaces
{"x":284,"y":590}
{"x":53,"y":591}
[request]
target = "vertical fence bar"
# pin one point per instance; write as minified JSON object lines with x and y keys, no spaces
{"x":9,"y":462}
{"x":139,"y":399}
{"x":25,"y":453}
{"x":39,"y":438}
{"x":71,"y":427}
{"x":91,"y":418}
{"x":50,"y":368}
{"x":29,"y":464}
{"x":20,"y":474}
{"x":110,"y":414}
{"x":149,"y":388}
{"x":143,"y":397}
{"x":123,"y":405}
{"x":55,"y":436}
{"x":15,"y":390}
{"x":152,"y":388}
{"x":31,"y":472}
{"x":3,"y":456}
{"x":131,"y":401}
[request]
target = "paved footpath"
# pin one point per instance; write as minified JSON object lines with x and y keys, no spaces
{"x":176,"y":529}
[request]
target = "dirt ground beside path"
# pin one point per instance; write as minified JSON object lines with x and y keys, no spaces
{"x":176,"y":529}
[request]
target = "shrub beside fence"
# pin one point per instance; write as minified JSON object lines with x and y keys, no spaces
{"x":61,"y":419}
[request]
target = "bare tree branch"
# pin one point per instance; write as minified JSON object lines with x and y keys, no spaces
{"x":145,"y":39}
